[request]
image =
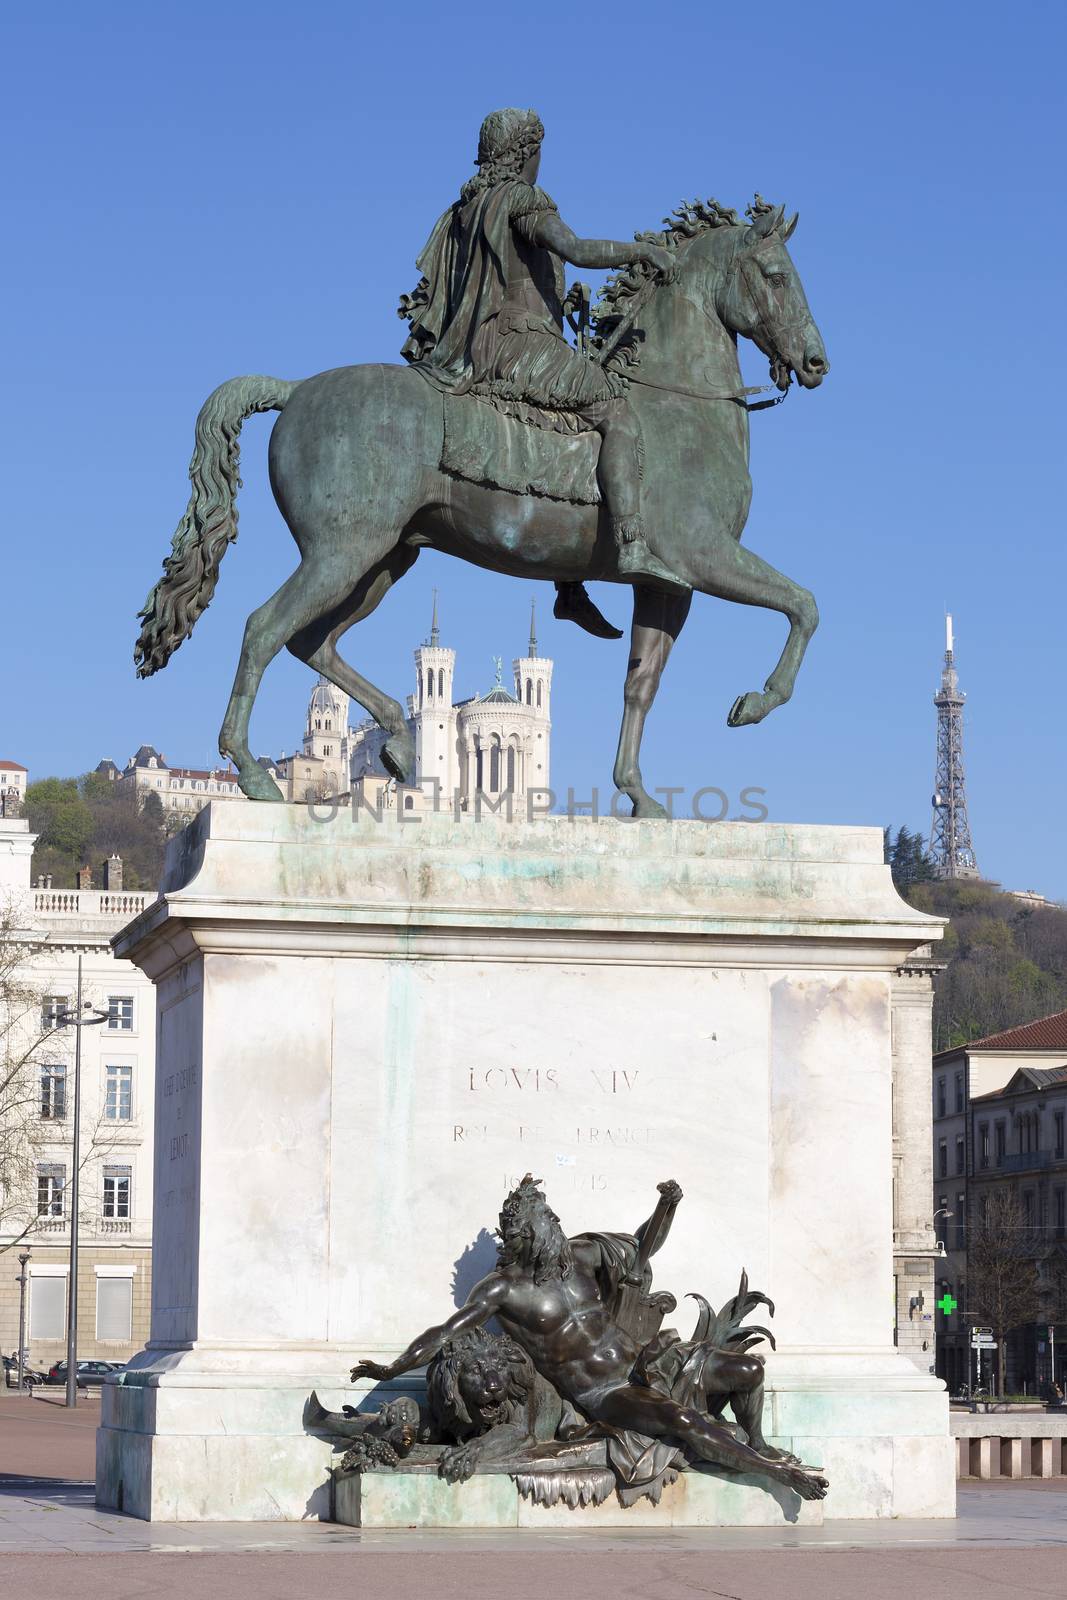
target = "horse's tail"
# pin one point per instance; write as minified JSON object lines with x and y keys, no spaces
{"x":191,"y":570}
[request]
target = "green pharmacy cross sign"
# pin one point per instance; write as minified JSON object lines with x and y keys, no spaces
{"x":947,"y":1304}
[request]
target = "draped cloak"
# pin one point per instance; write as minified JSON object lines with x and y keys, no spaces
{"x":489,"y":311}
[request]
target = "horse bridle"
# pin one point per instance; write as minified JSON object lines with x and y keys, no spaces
{"x":738,"y":396}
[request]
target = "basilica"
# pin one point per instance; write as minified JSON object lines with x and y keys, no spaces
{"x":491,"y":749}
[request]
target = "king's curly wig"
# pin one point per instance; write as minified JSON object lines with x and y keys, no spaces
{"x":506,"y":142}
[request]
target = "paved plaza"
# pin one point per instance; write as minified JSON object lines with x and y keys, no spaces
{"x":1009,"y":1539}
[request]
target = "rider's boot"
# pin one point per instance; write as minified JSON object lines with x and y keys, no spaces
{"x":636,"y":563}
{"x":574,"y":605}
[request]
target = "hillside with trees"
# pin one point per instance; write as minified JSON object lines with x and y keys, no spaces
{"x":1007,"y":958}
{"x":83,"y":821}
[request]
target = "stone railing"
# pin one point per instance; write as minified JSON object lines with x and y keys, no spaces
{"x":114,"y":1225}
{"x":1007,"y":1445}
{"x":90,"y":902}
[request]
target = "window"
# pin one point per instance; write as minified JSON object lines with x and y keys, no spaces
{"x":959,"y":1091}
{"x":941,"y":1097}
{"x":117,"y":1192}
{"x":1001,"y":1136}
{"x":959,"y":1155}
{"x":48,"y":1306}
{"x":51,"y":1182}
{"x":114,"y":1309}
{"x":52,"y":1010}
{"x":960,"y":1220}
{"x":983,"y":1144}
{"x":120,"y":1013}
{"x":1060,"y":1202}
{"x":1057,"y":1123}
{"x":54,"y":1091}
{"x":118,"y":1096}
{"x":942,"y":1158}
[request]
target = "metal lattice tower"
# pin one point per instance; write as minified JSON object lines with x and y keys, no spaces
{"x":951,"y":849}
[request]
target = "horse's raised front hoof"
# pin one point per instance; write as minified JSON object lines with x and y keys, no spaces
{"x":398,"y":757}
{"x":256,"y":782}
{"x":747,"y":708}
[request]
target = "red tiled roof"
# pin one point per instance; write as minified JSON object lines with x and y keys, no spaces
{"x":1047,"y":1033}
{"x":13,"y":766}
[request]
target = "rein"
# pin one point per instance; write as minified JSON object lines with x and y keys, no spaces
{"x":736,"y":395}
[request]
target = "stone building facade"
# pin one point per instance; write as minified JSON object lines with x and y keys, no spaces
{"x":915,"y":1246}
{"x":1000,"y":1120}
{"x":13,"y":778}
{"x":58,"y":927}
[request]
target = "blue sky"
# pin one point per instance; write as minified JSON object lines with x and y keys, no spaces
{"x":202,"y":191}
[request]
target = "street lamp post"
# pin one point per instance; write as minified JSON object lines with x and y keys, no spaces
{"x":22,"y":1280}
{"x":78,"y":1020}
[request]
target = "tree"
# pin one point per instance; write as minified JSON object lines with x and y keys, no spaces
{"x":907,"y":858}
{"x":1002,"y":1276}
{"x":63,"y":822}
{"x":1006,"y":960}
{"x":88,"y":819}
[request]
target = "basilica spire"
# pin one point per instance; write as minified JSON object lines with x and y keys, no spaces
{"x":533,"y":628}
{"x":435,"y":632}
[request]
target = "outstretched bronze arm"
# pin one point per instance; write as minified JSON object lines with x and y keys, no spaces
{"x":653,"y":1233}
{"x":552,"y":233}
{"x":481,"y":1304}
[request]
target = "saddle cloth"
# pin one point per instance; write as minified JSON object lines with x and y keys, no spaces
{"x":490,"y":442}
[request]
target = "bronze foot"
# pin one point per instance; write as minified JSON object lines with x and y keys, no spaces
{"x":574,"y":605}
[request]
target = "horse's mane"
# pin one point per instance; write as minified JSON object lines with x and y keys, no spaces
{"x":685,"y":222}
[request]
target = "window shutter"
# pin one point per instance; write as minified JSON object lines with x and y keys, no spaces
{"x":48,"y":1307}
{"x":114,"y":1309}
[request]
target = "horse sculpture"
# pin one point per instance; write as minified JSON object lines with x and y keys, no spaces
{"x":354,"y":465}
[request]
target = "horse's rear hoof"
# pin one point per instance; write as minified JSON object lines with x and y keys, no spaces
{"x":258,"y":784}
{"x":398,"y":757}
{"x":649,"y":810}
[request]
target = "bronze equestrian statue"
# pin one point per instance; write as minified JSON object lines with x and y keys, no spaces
{"x":498,"y":441}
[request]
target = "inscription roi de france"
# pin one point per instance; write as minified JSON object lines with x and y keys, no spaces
{"x":708,"y":804}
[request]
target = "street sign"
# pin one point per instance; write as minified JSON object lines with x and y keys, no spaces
{"x":983,"y":1344}
{"x":981,"y":1332}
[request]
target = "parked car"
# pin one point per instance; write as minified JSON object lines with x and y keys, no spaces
{"x":11,"y":1374}
{"x":89,"y":1372}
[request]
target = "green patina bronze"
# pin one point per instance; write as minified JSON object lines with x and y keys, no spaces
{"x":369,"y":464}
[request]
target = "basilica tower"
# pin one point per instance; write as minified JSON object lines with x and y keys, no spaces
{"x":433,"y":713}
{"x":533,"y":689}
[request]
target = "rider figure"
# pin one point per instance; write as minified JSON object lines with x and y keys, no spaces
{"x":489,"y":314}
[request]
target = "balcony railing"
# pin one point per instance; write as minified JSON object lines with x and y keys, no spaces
{"x":115,"y":1225}
{"x":90,"y":902}
{"x":1026,"y":1161}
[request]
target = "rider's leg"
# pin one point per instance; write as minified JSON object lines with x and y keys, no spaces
{"x":648,"y":1411}
{"x":619,"y":473}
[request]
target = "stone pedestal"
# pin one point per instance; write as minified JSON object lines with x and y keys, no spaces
{"x":369,"y":1031}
